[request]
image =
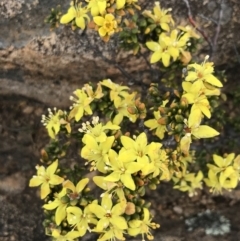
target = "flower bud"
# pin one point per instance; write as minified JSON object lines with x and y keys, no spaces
{"x":140,"y":202}
{"x":172,"y":125}
{"x":162,"y":110}
{"x":179,"y":118}
{"x":83,"y":202}
{"x":131,"y":11}
{"x":176,"y":92}
{"x":141,"y":106}
{"x":139,"y":182}
{"x":173,"y":105}
{"x":138,"y":209}
{"x":142,"y":115}
{"x":65,"y":199}
{"x":44,"y":155}
{"x":112,"y":10}
{"x":166,"y":95}
{"x":86,"y":190}
{"x":179,"y":127}
{"x":152,"y":186}
{"x":64,"y":224}
{"x":177,"y":138}
{"x":147,"y":30}
{"x":130,"y":208}
{"x":184,"y":103}
{"x":132,"y":110}
{"x":141,"y":191}
{"x":185,"y":57}
{"x":74,"y":202}
{"x":162,"y":121}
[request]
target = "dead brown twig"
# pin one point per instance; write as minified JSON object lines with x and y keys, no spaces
{"x":212,"y":44}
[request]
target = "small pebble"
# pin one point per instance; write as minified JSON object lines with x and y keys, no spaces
{"x":177,"y":209}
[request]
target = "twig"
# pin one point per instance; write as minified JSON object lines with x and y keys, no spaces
{"x":218,"y":27}
{"x":190,"y":17}
{"x":206,"y":18}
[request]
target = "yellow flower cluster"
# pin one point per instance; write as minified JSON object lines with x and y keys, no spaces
{"x":199,"y":84}
{"x":121,"y":171}
{"x":107,"y":123}
{"x":224,"y":173}
{"x":125,"y":104}
{"x":128,"y":164}
{"x":104,"y":14}
{"x":135,"y":160}
{"x":172,"y":44}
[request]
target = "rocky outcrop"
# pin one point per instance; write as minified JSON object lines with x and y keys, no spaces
{"x":48,"y":66}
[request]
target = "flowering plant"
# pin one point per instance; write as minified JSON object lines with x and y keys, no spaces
{"x":128,"y":143}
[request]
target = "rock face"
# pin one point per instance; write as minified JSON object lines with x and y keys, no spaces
{"x":48,"y":66}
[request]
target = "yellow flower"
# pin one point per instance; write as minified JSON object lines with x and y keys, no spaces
{"x":52,"y":122}
{"x":107,"y":25}
{"x":236,"y":163}
{"x":157,"y":124}
{"x":45,"y":178}
{"x":80,"y":219}
{"x":108,"y":214}
{"x":167,"y":47}
{"x":122,"y":105}
{"x":142,"y":226}
{"x":110,"y":188}
{"x":98,"y":130}
{"x":81,"y":105}
{"x":188,"y":182}
{"x":97,"y":6}
{"x":135,"y":150}
{"x":221,"y":163}
{"x":159,"y":161}
{"x":105,"y":185}
{"x":76,"y":190}
{"x":120,"y":3}
{"x":78,"y":13}
{"x":89,"y":90}
{"x":116,"y":89}
{"x":112,"y":233}
{"x":213,"y":182}
{"x":160,"y":16}
{"x":70,"y":236}
{"x":190,"y":30}
{"x":121,"y":170}
{"x":203,"y":72}
{"x":196,"y":96}
{"x":96,"y":153}
{"x":60,"y":205}
{"x":176,"y":42}
{"x":198,"y":131}
{"x":228,"y":176}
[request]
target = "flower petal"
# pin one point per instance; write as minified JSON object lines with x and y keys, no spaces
{"x":69,"y":16}
{"x":82,"y":184}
